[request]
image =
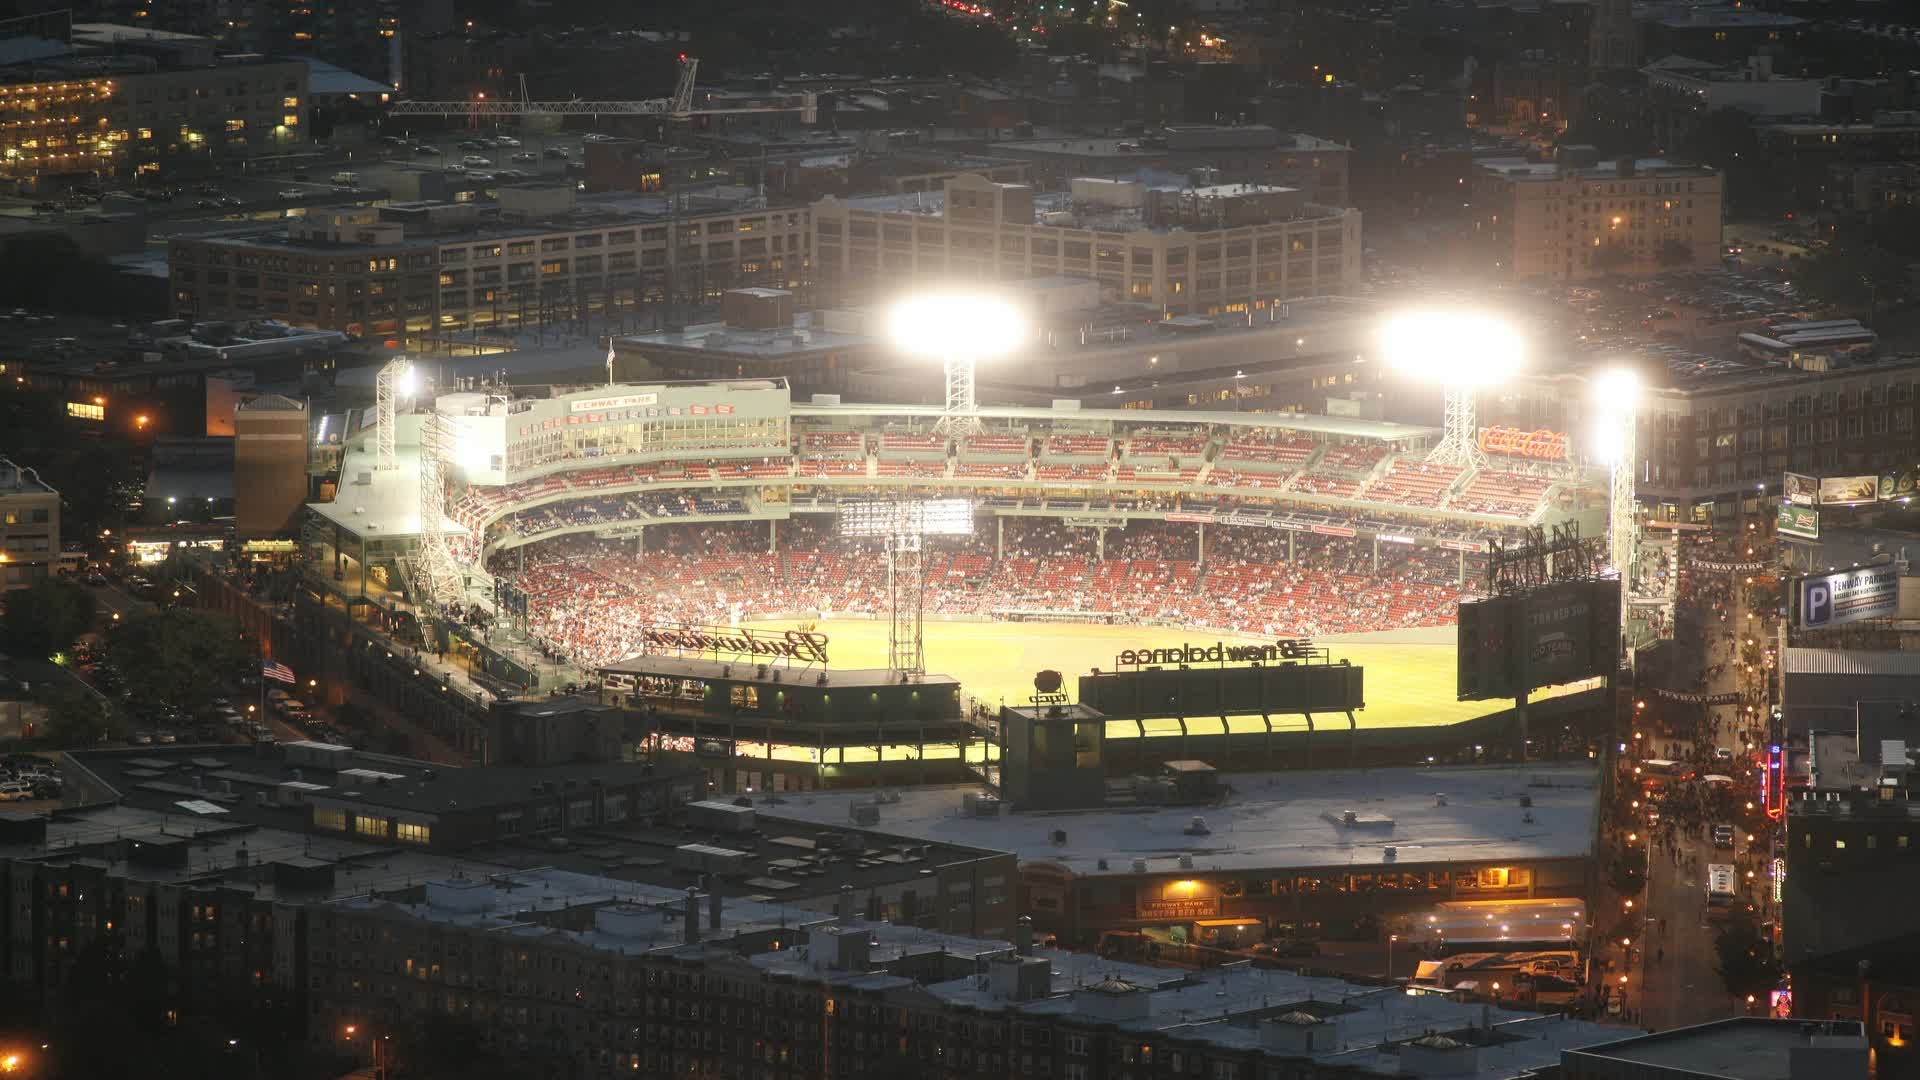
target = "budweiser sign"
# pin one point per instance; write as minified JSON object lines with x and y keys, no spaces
{"x":1541,"y":445}
{"x":798,"y":646}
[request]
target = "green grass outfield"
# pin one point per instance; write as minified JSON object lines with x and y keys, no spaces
{"x":1409,"y":682}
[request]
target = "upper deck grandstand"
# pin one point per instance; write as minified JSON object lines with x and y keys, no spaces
{"x":593,"y":513}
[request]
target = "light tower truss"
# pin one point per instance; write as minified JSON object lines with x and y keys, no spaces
{"x":388,"y":386}
{"x":1459,"y":440}
{"x":904,"y":525}
{"x":437,"y":573}
{"x":963,"y":409}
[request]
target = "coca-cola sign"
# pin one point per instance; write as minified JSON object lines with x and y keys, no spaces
{"x":1540,"y":445}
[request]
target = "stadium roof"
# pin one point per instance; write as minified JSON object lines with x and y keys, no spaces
{"x":1279,"y":820}
{"x":1348,"y":427}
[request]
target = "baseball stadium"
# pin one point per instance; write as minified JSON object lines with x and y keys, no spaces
{"x":577,"y":537}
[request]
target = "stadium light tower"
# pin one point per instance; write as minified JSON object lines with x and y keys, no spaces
{"x":1616,"y":402}
{"x":1462,"y":351}
{"x":904,"y":524}
{"x":398,"y":379}
{"x":962,"y":329}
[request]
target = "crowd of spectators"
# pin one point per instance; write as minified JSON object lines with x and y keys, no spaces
{"x":589,"y":599}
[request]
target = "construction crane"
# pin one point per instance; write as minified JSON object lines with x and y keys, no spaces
{"x":677,"y":107}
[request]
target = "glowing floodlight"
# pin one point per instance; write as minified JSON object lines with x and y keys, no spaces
{"x":1616,"y":396}
{"x":919,"y":517}
{"x":1453,"y":348}
{"x":962,"y":329}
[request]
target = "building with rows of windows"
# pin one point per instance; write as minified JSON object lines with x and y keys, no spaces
{"x":1576,"y":219}
{"x":1183,"y":249}
{"x":537,"y":256}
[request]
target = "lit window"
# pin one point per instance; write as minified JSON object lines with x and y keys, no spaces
{"x":290,"y":103}
{"x":81,"y":410}
{"x":370,"y":826}
{"x":413,"y":834}
{"x":291,"y":120}
{"x":335,"y":820}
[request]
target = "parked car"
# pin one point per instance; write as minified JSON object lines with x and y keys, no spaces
{"x":424,"y":150}
{"x":505,"y":140}
{"x":1723,"y":837}
{"x":554,"y":153}
{"x":526,"y":157}
{"x":15,"y":790}
{"x":140,"y":738}
{"x":476,"y":159}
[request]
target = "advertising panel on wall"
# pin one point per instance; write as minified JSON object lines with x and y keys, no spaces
{"x":1798,"y":521}
{"x":1847,"y":596}
{"x":1848,"y":490}
{"x":1800,"y":490}
{"x":1901,"y":484}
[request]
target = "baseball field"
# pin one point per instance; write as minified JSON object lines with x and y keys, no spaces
{"x":1409,"y":682}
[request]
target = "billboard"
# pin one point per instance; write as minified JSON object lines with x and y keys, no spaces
{"x":1558,"y":634}
{"x":1800,"y":521}
{"x":1903,"y":484}
{"x":1848,"y":596}
{"x":1800,"y":490}
{"x":1848,"y":490}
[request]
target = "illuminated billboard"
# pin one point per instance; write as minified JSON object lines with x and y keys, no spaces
{"x":1798,"y":521}
{"x":1848,"y":490}
{"x":1847,"y":596}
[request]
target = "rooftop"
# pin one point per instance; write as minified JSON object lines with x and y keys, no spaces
{"x":1743,"y":1048}
{"x":19,"y":480}
{"x":1314,"y":423}
{"x":1521,"y":169}
{"x":801,"y":338}
{"x":1291,"y":819}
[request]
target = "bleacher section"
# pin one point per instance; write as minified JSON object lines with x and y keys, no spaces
{"x":833,"y":442}
{"x":1077,"y":446}
{"x":1253,"y":453}
{"x":1408,"y":482}
{"x":1162,"y":445}
{"x":913,"y":443}
{"x":996,"y":445}
{"x":991,"y":470}
{"x":1504,"y":494}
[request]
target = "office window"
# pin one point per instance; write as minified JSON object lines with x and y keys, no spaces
{"x":409,"y":833}
{"x":333,"y":820}
{"x":371,"y":826}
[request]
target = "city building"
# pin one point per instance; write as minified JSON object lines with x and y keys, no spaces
{"x":269,"y":466}
{"x":1343,"y":849}
{"x":1715,"y":438}
{"x":536,"y":257}
{"x":1802,"y":151}
{"x":167,"y":377}
{"x":1176,"y":249}
{"x":1862,"y":189}
{"x":1723,"y":33}
{"x":1240,"y":154}
{"x":29,"y":526}
{"x":1682,"y":91}
{"x":1578,"y":219}
{"x":123,"y":99}
{"x":1875,"y":986}
{"x":1740,"y":1048}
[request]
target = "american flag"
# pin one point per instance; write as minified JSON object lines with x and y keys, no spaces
{"x":609,"y":360}
{"x":275,"y":670}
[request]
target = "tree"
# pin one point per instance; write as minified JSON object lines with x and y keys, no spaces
{"x":1628,"y":874}
{"x":169,"y":657}
{"x":438,"y":1047}
{"x":1610,"y":258}
{"x":1672,"y":252}
{"x":1745,"y":958}
{"x":47,"y":616}
{"x":1851,"y":271}
{"x":77,"y":718}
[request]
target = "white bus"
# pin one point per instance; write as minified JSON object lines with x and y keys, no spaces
{"x":1722,"y":887}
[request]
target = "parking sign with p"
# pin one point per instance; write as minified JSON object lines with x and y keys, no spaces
{"x":1849,"y":596}
{"x":1816,"y":602}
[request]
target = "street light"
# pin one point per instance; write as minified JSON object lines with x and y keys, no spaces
{"x":962,"y":329}
{"x":1461,"y":351}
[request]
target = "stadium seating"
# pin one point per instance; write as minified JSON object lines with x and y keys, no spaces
{"x":1414,"y":483}
{"x":1165,"y":446}
{"x":1085,"y":474}
{"x":1288,"y":452}
{"x":1503,"y":494}
{"x":1077,"y":446}
{"x":833,"y":442}
{"x":995,"y":444}
{"x":994,"y":470}
{"x":588,"y":599}
{"x":912,"y":442}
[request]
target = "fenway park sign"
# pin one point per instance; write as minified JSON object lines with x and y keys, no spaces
{"x":793,"y":646}
{"x":1541,"y":445}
